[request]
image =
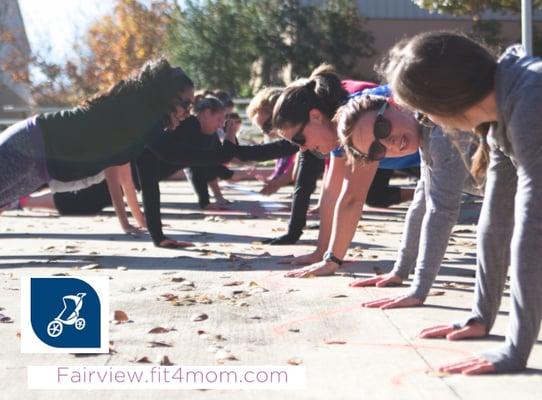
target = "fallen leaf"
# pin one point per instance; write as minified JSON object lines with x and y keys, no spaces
{"x":159,"y":344}
{"x":234,"y":283}
{"x":294,"y":361}
{"x":165,"y":361}
{"x":169,"y":296}
{"x":199,"y":317}
{"x":120,"y":316}
{"x":203,"y":299}
{"x":437,"y":293}
{"x":338,"y":296}
{"x":177,"y":279}
{"x":160,"y":329}
{"x":144,"y":360}
{"x":294,"y":330}
{"x":184,"y":302}
{"x":185,"y":288}
{"x":4,"y":319}
{"x":61,"y":274}
{"x":222,"y":355}
{"x":240,"y":293}
{"x":335,"y":342}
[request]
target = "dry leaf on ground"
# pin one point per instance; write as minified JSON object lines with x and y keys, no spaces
{"x":199,"y":317}
{"x":120,"y":316}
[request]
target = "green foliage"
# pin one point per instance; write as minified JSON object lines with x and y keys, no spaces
{"x":472,"y":7}
{"x":226,"y":43}
{"x":488,"y":31}
{"x":208,"y":39}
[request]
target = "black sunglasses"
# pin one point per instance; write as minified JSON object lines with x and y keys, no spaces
{"x":181,"y":102}
{"x":299,"y":137}
{"x":423,"y":119}
{"x":381,"y":130}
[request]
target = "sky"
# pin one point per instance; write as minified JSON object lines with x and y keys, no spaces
{"x":52,"y":26}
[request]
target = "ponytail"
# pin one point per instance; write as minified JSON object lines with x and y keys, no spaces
{"x":480,"y":159}
{"x":322,"y":91}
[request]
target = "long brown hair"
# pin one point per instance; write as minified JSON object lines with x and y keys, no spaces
{"x":443,"y":73}
{"x":156,"y":82}
{"x":322,"y":91}
{"x":348,"y":115}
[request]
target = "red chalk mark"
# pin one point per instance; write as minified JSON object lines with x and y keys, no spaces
{"x":282,"y":328}
{"x":398,"y":379}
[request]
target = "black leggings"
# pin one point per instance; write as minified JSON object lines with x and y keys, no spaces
{"x":88,"y":201}
{"x":200,"y":176}
{"x":381,"y":194}
{"x":310,"y":170}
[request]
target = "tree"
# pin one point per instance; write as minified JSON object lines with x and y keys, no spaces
{"x":112,"y":48}
{"x":472,"y":7}
{"x":118,"y":44}
{"x":346,"y":41}
{"x":211,"y":41}
{"x":487,"y":30}
{"x":229,"y":43}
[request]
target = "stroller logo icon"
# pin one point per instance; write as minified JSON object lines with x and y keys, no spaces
{"x":54,"y":328}
{"x":64,"y":315}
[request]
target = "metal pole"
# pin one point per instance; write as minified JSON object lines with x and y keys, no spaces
{"x":527,"y":26}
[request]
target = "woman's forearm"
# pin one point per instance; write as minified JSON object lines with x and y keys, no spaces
{"x":333,"y":180}
{"x":113,"y":184}
{"x":348,"y":210}
{"x":127,"y":184}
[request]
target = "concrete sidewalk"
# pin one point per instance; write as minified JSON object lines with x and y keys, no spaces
{"x":349,"y":352}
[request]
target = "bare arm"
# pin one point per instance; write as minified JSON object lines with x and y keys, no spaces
{"x":115,"y":190}
{"x":349,"y":208}
{"x":127,"y":184}
{"x":330,"y":193}
{"x":346,"y":215}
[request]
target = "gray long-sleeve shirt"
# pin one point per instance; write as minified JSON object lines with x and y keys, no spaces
{"x":510,"y":226}
{"x":434,"y":209}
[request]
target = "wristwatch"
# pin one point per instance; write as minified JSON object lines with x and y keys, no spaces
{"x":329,"y":256}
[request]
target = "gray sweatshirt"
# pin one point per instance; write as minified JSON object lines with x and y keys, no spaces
{"x":434,"y":209}
{"x":510,"y":225}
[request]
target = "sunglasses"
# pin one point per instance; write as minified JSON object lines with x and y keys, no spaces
{"x":381,"y":130}
{"x":299,"y":137}
{"x":181,"y":102}
{"x":423,"y":119}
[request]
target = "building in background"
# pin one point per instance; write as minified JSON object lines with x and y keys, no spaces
{"x":391,"y":20}
{"x":15,"y":97}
